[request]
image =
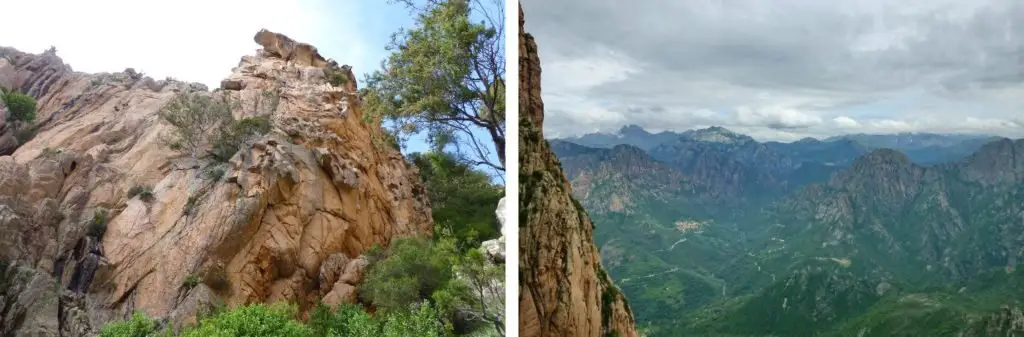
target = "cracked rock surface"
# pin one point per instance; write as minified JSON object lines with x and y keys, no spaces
{"x":313,"y":194}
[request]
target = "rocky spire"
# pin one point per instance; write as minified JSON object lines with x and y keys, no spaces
{"x":563,"y":289}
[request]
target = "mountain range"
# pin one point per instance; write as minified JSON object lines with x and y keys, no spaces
{"x":715,"y":234}
{"x":922,"y":148}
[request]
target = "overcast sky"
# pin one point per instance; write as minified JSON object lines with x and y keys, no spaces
{"x":781,"y":70}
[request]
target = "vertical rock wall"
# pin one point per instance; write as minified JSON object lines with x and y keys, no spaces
{"x":563,"y":290}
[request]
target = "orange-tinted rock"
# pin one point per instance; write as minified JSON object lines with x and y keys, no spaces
{"x":563,"y":288}
{"x":262,"y":232}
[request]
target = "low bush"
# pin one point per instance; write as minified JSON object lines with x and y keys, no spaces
{"x":138,"y":326}
{"x":214,"y":173}
{"x":190,"y":205}
{"x":190,"y":282}
{"x":414,"y":269}
{"x":49,"y":152}
{"x":98,"y":226}
{"x":335,"y":77}
{"x":143,"y":192}
{"x":22,"y":107}
{"x":420,"y":319}
{"x":256,"y":320}
{"x":25,"y":133}
{"x":232,"y":136}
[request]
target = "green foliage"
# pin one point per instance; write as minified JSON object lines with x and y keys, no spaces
{"x":335,"y":77}
{"x":25,"y":133}
{"x":190,"y":282}
{"x":462,"y":199}
{"x":145,"y":193}
{"x":98,"y":226}
{"x":48,"y":152}
{"x":255,"y":320}
{"x":22,"y":107}
{"x":198,"y":119}
{"x":138,"y":326}
{"x":234,"y":134}
{"x":195,"y":116}
{"x":481,"y":294}
{"x":417,"y":269}
{"x":190,"y":204}
{"x":414,"y":269}
{"x":420,"y":320}
{"x":847,"y":259}
{"x":445,"y":77}
{"x":349,"y":320}
{"x":214,"y":173}
{"x":279,"y":320}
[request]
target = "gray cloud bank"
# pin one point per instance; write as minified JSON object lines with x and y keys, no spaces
{"x":782,"y":70}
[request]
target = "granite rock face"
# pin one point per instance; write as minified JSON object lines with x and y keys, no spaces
{"x":495,"y":249}
{"x":77,"y":250}
{"x":563,"y":290}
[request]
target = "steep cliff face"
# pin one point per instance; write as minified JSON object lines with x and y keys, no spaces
{"x":563,"y":289}
{"x":285,"y":221}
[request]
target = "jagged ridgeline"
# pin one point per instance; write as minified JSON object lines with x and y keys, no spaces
{"x":124,"y":194}
{"x":563,"y":289}
{"x":711,"y":233}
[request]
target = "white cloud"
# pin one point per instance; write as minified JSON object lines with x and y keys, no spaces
{"x":764,"y":134}
{"x":577,"y":75}
{"x":191,"y":40}
{"x":846,"y":122}
{"x":578,"y":116}
{"x":891,"y":125}
{"x":776,"y":117}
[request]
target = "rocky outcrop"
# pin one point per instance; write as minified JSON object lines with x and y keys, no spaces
{"x":495,"y":249}
{"x":285,"y":219}
{"x":563,"y":289}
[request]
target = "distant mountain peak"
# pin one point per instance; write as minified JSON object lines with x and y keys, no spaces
{"x":633,"y":129}
{"x":627,"y":148}
{"x":808,"y":140}
{"x":885,"y":156}
{"x":717,"y":134}
{"x":884,"y":163}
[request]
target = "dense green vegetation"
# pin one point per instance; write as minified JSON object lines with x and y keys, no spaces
{"x":22,"y":111}
{"x":204,"y":126}
{"x":463,"y":199}
{"x":22,"y":107}
{"x":261,"y":320}
{"x":885,"y":247}
{"x":446,"y":79}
